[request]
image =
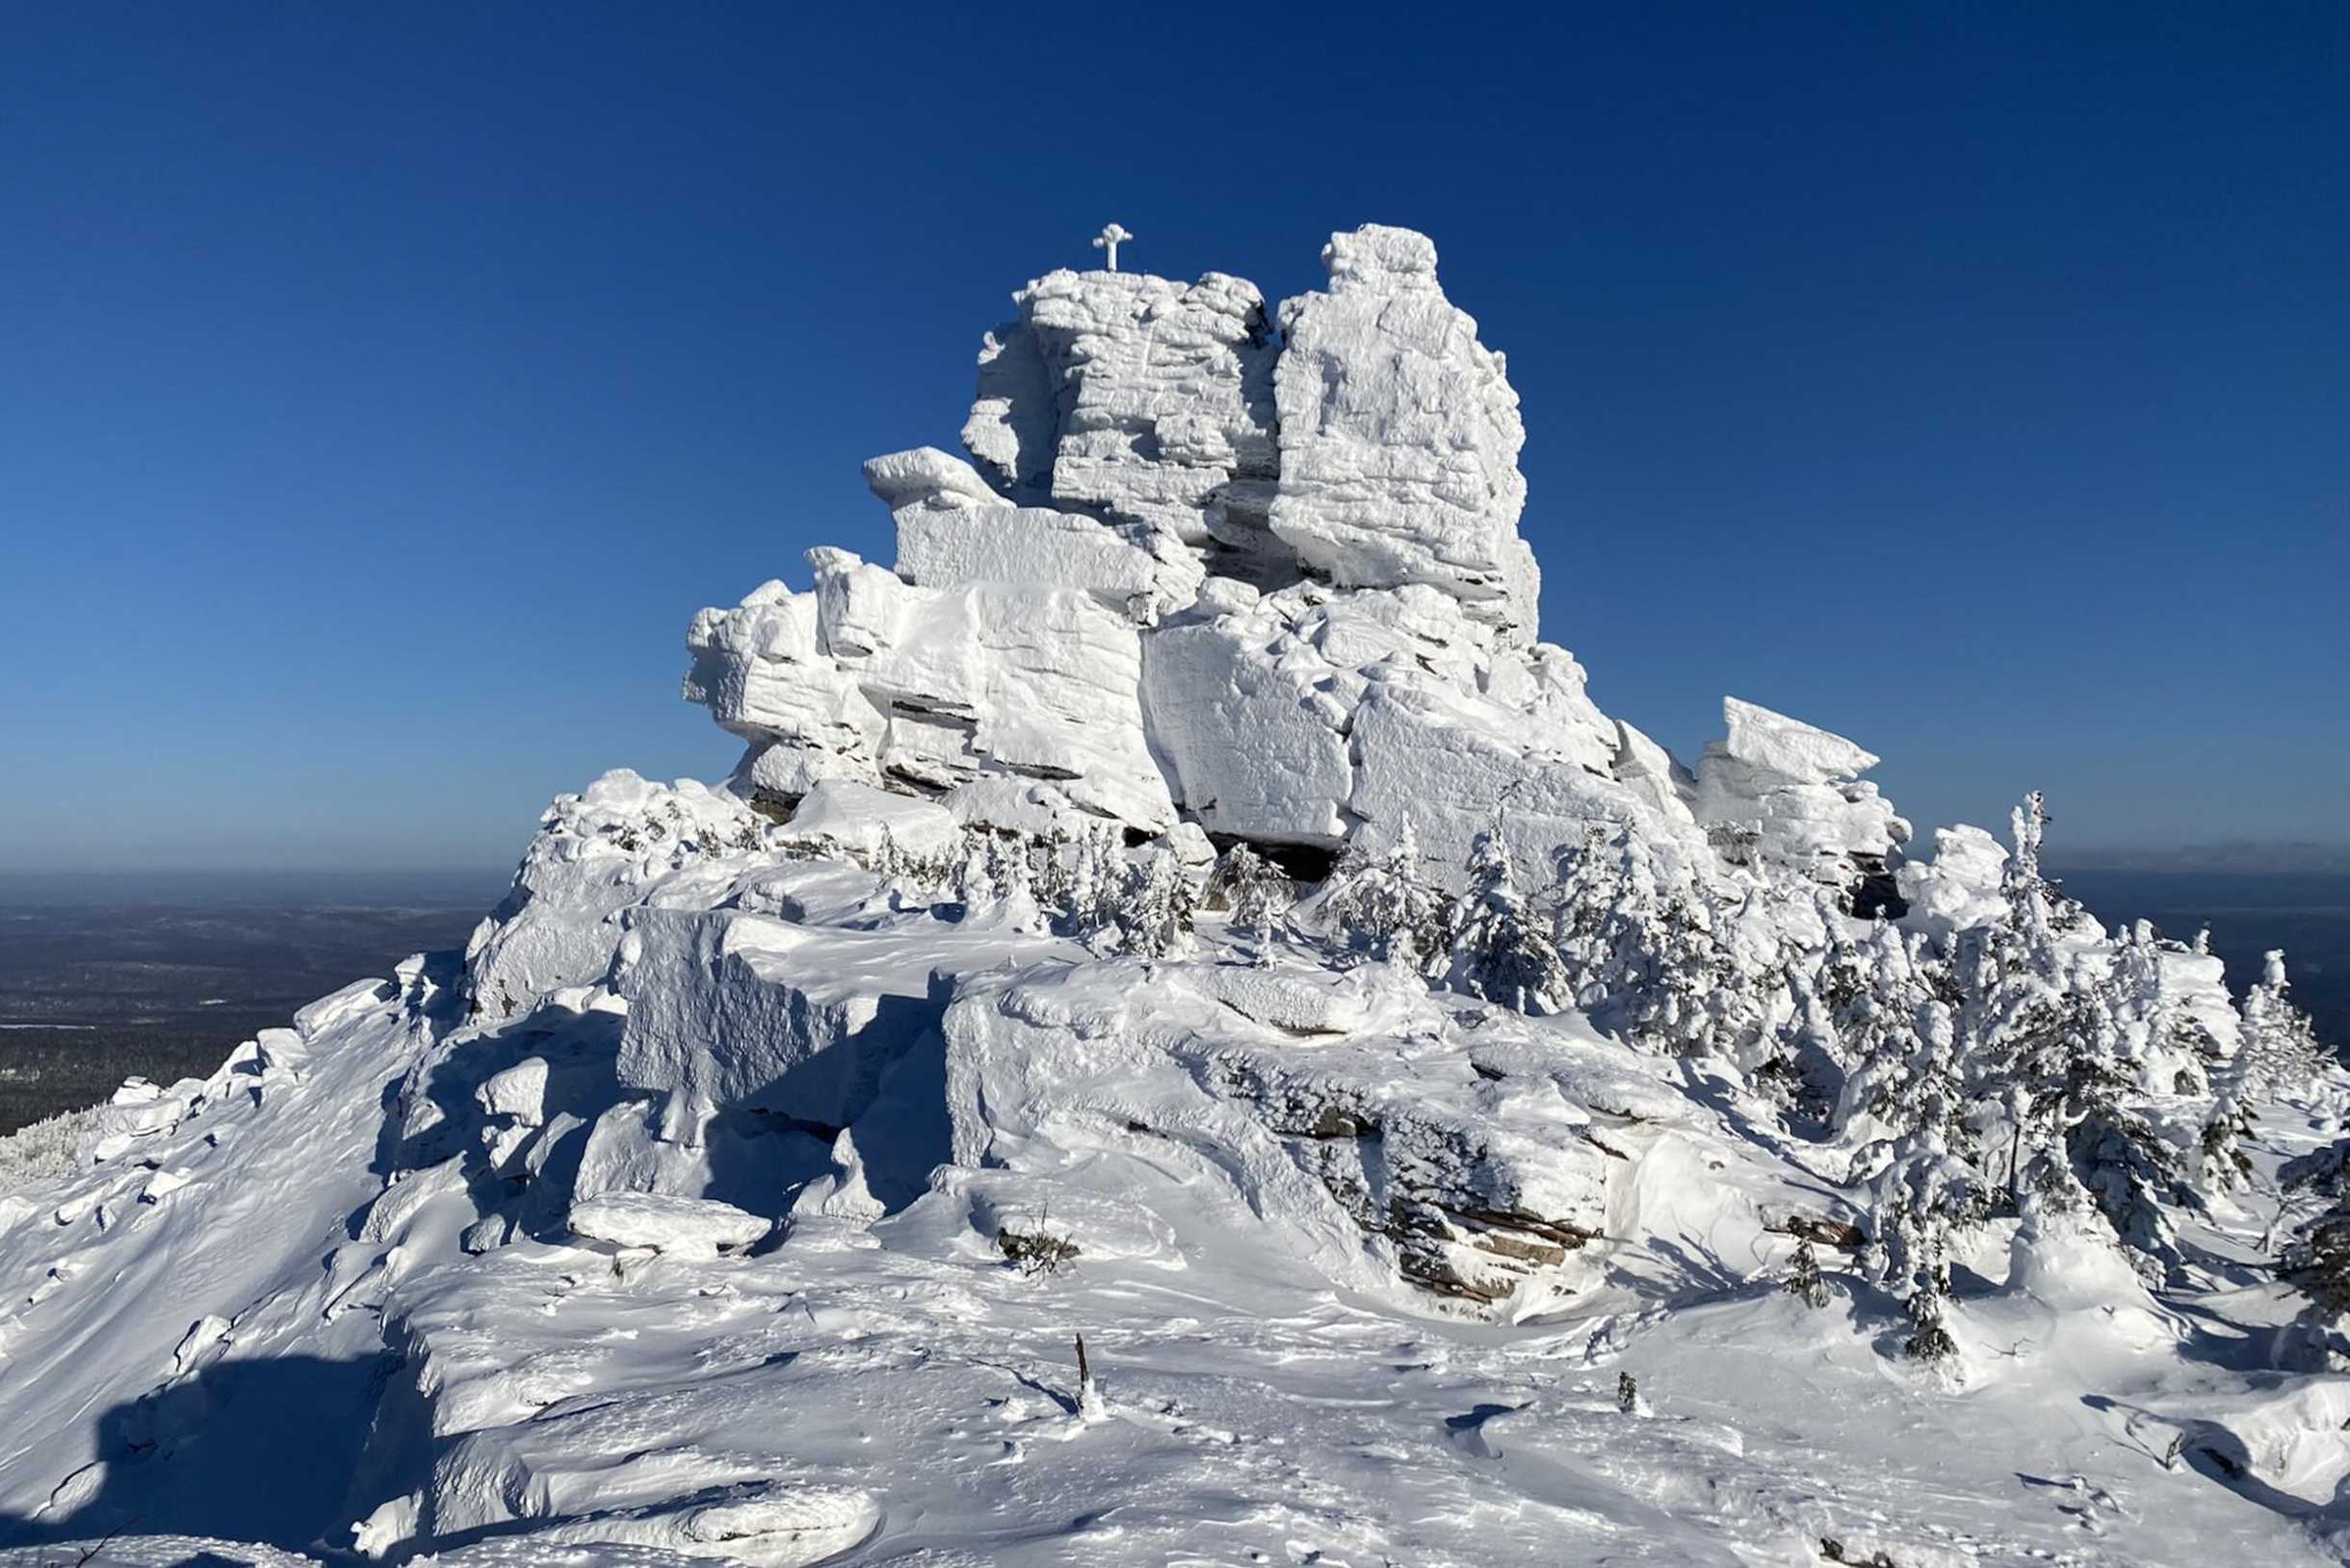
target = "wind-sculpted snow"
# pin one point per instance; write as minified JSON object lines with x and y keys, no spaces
{"x":1460,"y":1133}
{"x":1397,"y":1145}
{"x":1308,"y":714}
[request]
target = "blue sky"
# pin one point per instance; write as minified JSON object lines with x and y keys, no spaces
{"x":381,"y":388}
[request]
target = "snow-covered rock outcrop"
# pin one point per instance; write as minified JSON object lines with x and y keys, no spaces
{"x":1311,"y":714}
{"x":952,"y":530}
{"x":1180,"y":904}
{"x":1792,"y":794}
{"x":1399,"y":435}
{"x":1135,"y":399}
{"x":1269,"y":585}
{"x":1387,"y":1140}
{"x":869,"y":678}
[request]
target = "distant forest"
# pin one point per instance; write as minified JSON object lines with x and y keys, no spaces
{"x":93,"y":991}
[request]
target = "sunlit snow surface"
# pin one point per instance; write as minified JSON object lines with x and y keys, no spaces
{"x":273,"y":1347}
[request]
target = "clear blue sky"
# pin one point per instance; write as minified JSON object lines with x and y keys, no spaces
{"x":382,"y":387}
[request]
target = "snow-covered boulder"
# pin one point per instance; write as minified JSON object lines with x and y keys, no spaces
{"x":727,"y":1008}
{"x":596,"y":853}
{"x":1254,"y":743}
{"x":1137,"y":398}
{"x":1399,"y":435}
{"x":1310,"y":713}
{"x":953,"y":530}
{"x":870,"y":678}
{"x":1792,"y":793}
{"x":658,"y":1222}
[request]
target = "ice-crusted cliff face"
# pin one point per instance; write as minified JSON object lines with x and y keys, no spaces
{"x":1181,"y":902}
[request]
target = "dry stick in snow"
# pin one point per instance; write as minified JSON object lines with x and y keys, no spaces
{"x":1089,"y":1403}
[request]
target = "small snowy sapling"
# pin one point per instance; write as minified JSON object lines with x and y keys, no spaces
{"x":1499,"y":953}
{"x":1036,"y":1252}
{"x":1803,"y":1277}
{"x":1252,"y":887}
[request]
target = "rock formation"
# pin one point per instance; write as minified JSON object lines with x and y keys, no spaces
{"x":1272,"y":586}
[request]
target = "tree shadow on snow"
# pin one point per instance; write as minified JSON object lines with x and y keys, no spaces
{"x":1682,"y":1276}
{"x":245,"y":1451}
{"x":2215,"y":1339}
{"x":2217,"y":1454}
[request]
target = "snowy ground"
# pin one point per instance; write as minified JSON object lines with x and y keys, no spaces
{"x":234,"y":1331}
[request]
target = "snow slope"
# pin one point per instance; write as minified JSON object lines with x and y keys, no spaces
{"x":1182,"y":907}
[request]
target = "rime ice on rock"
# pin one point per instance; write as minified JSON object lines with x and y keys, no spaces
{"x":1797,"y":791}
{"x":952,"y":530}
{"x":872,"y":679}
{"x":1151,"y":600}
{"x":1399,"y":434}
{"x":1309,"y":715}
{"x":1134,"y":399}
{"x":727,"y":1008}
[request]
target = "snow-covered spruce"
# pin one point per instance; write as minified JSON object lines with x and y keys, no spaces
{"x":1182,"y":909}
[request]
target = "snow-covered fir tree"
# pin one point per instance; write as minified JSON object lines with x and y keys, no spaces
{"x":1803,"y":1278}
{"x":2130,"y":1170}
{"x":2222,"y":1163}
{"x":2278,"y":1055}
{"x":1929,"y":1188}
{"x":1688,"y":972}
{"x":1756,"y":958}
{"x":1096,"y":887}
{"x":1154,"y":917}
{"x":1256,"y":890}
{"x":980,"y":862}
{"x":1590,"y":872}
{"x":2059,"y":1076}
{"x":1606,"y":929}
{"x":1499,"y":951}
{"x":2316,"y":1258}
{"x":1903,"y":1072}
{"x":1383,"y":904}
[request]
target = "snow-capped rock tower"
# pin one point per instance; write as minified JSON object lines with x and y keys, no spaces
{"x":1268,"y":582}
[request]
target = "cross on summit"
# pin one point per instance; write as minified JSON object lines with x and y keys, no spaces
{"x":1107,"y":240}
